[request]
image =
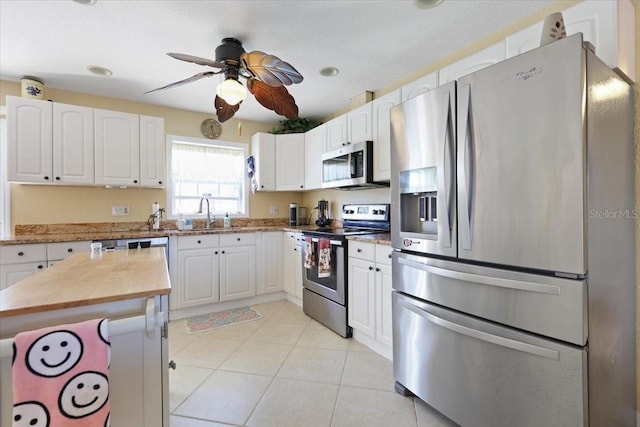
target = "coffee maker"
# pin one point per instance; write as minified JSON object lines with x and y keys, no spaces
{"x":323,"y":213}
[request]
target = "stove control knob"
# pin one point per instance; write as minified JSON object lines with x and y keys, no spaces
{"x":376,"y":211}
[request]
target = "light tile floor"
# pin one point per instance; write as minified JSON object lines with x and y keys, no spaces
{"x":284,"y":369}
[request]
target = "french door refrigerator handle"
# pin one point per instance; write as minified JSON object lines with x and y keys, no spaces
{"x":519,"y":285}
{"x":483,"y":336}
{"x":444,"y":174}
{"x":464,"y":172}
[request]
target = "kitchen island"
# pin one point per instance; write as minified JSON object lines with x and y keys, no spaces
{"x":131,"y":289}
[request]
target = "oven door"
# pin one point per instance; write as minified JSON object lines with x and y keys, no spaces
{"x":331,"y":286}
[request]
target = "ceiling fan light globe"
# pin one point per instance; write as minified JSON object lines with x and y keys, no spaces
{"x":232,"y":91}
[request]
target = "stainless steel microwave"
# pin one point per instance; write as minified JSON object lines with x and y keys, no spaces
{"x":350,"y":167}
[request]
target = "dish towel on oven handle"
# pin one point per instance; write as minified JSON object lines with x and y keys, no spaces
{"x":324,"y":258}
{"x":309,"y":256}
{"x":60,"y":376}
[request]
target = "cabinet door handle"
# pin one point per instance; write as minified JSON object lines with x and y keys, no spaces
{"x":20,"y":253}
{"x":70,"y":250}
{"x":172,"y":364}
{"x":370,"y":268}
{"x":358,"y":250}
{"x":199,"y":241}
{"x":57,"y":178}
{"x":40,"y":267}
{"x":216,"y":253}
{"x":238,"y":239}
{"x":377,"y":269}
{"x":135,"y":181}
{"x":223,"y":252}
{"x":46,"y":178}
{"x":160,"y":182}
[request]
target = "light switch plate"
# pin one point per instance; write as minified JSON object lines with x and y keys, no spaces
{"x":273,"y":210}
{"x":119,"y":210}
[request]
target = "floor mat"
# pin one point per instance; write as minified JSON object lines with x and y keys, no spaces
{"x":206,"y":322}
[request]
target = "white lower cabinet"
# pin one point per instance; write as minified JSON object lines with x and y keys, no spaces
{"x":271,"y":263}
{"x":20,"y":261}
{"x":237,"y":266}
{"x":198,"y":270}
{"x":292,"y":264}
{"x":61,"y":250}
{"x":369,"y":295}
{"x":214,"y":268}
{"x":198,"y":277}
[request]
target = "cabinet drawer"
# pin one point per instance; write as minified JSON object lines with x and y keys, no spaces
{"x":524,"y":371}
{"x":198,"y":242}
{"x":57,"y":251}
{"x":362,"y":250}
{"x":383,"y":254}
{"x":13,"y":254}
{"x":238,"y":239}
{"x":296,"y":238}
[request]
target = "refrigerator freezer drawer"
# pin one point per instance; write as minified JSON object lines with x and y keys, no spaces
{"x":548,"y":306}
{"x":480,"y":374}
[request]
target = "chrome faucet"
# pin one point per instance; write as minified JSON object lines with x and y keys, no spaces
{"x":209,"y":220}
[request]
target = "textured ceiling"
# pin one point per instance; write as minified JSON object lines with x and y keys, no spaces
{"x":372,"y":43}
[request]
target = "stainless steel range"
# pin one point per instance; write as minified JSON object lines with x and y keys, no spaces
{"x":324,"y":257}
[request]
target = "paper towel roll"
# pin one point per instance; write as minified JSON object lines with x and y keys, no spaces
{"x":155,"y":207}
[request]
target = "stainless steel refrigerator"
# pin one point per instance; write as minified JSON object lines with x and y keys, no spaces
{"x":513,"y":272}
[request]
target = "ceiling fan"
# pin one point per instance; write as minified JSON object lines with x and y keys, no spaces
{"x":266,"y":77}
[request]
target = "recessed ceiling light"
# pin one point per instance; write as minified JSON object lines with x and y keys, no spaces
{"x":86,"y":2}
{"x":426,"y":4}
{"x":329,"y":71}
{"x":101,"y":71}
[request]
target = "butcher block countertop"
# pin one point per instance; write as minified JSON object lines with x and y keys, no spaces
{"x":83,"y":279}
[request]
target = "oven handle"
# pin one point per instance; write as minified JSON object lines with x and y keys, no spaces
{"x":333,"y":242}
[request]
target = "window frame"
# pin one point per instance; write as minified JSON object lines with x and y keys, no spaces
{"x":213,"y":143}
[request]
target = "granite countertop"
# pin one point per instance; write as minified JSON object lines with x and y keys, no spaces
{"x":63,"y":235}
{"x":380,"y":238}
{"x":82,"y":280}
{"x":131,"y":234}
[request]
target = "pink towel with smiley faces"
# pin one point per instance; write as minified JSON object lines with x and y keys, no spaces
{"x":60,"y":376}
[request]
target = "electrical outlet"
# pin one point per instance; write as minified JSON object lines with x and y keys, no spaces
{"x":273,"y":210}
{"x":119,"y":210}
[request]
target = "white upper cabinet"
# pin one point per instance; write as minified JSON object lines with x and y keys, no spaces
{"x":73,"y":145}
{"x":421,"y":85}
{"x":279,"y":161}
{"x":49,"y":143}
{"x":263,"y":149}
{"x":117,"y":145}
{"x":29,"y":140}
{"x":314,"y":143}
{"x":606,"y":24}
{"x":337,"y":135}
{"x":382,"y":134}
{"x":55,"y":143}
{"x":290,"y":162}
{"x":474,"y":62}
{"x":360,"y":124}
{"x":152,"y":155}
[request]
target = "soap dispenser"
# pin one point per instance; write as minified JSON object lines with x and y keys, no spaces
{"x":227,"y":221}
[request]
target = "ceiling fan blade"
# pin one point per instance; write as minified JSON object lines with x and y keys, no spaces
{"x":270,"y":69}
{"x":196,"y":60}
{"x":185,"y":81}
{"x":224,"y":111}
{"x":277,"y":99}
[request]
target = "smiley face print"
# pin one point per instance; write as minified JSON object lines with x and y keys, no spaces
{"x":30,"y":414}
{"x":54,"y":354}
{"x":84,"y":394}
